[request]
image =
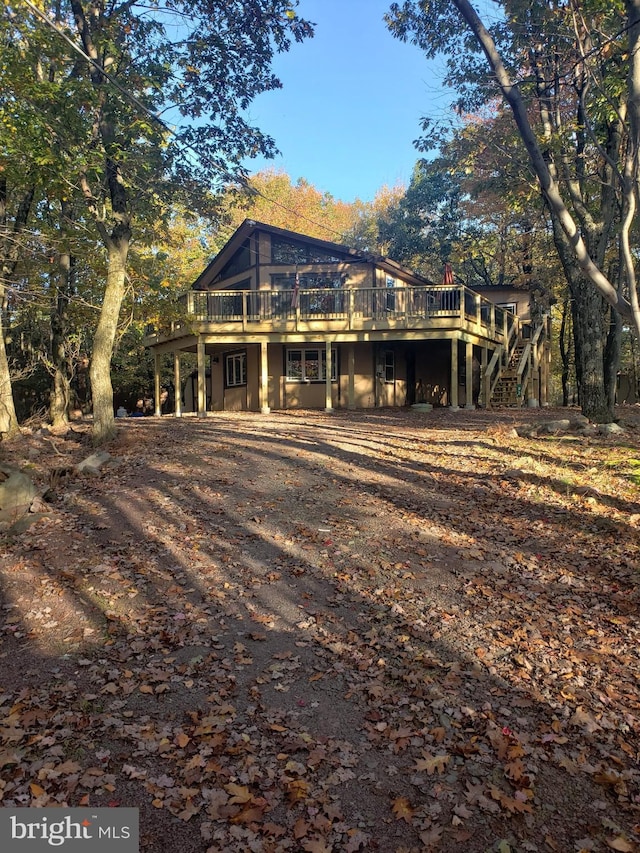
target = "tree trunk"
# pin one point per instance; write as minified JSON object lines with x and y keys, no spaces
{"x":63,"y":290}
{"x":104,"y":339}
{"x":8,"y":418}
{"x":8,"y":264}
{"x":564,"y":353}
{"x":589,"y":312}
{"x":612,"y":353}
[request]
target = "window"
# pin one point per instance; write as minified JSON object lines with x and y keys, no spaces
{"x":307,"y":281}
{"x":236,"y":369}
{"x":389,"y":366}
{"x":390,"y":296}
{"x":292,"y":252}
{"x":331,"y":299}
{"x":310,"y":365}
{"x":238,"y":263}
{"x":508,"y":306}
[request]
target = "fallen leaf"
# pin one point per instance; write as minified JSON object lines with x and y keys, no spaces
{"x":620,"y":843}
{"x":431,"y":837}
{"x":402,"y":809}
{"x":432,"y":763}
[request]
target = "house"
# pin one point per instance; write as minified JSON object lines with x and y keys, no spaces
{"x":279,"y":320}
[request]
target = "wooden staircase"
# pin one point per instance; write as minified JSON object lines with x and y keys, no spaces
{"x":505,"y":392}
{"x":513,"y":376}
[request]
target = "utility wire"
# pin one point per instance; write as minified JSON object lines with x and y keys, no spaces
{"x":167,"y":128}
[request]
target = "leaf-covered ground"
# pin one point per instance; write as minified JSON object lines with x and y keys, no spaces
{"x":381,"y":631}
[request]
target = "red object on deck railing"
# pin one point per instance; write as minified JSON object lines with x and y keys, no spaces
{"x":447,"y":278}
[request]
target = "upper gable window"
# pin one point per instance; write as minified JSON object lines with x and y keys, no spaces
{"x":239,"y":262}
{"x":291,"y":252}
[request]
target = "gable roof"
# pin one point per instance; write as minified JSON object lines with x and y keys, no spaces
{"x":250,"y":227}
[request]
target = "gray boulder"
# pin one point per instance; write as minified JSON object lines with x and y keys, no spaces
{"x":17,"y":492}
{"x":92,"y":464}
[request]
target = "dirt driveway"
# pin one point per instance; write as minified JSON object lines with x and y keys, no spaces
{"x":386,"y":631}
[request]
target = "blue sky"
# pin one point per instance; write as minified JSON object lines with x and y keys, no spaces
{"x":351,"y":102}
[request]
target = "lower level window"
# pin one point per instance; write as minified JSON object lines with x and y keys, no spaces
{"x":236,"y":369}
{"x":389,"y":366}
{"x":310,"y":365}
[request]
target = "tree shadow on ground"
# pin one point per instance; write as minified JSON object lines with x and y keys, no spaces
{"x":289,"y":651}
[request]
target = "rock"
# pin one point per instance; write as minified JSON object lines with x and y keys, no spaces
{"x":526,"y":431}
{"x":610,"y":429}
{"x":551,"y":427}
{"x":92,"y":464}
{"x":38,"y":505}
{"x":579,"y":421}
{"x":17,"y":493}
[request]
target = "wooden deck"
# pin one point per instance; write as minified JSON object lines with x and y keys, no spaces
{"x":429,"y":311}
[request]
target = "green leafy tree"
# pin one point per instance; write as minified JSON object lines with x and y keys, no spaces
{"x":562,"y":72}
{"x":420,"y":231}
{"x":200,"y":65}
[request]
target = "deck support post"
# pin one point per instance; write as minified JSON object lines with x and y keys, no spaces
{"x":328,"y":402}
{"x":156,"y":384}
{"x":534,"y":371}
{"x":485,"y":379}
{"x":264,"y":379}
{"x":351,"y":367}
{"x":454,"y":373}
{"x":177,"y":382}
{"x":468,"y":385}
{"x":202,"y":379}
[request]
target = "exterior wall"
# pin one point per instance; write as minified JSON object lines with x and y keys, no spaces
{"x":264,"y":248}
{"x":290,"y":395}
{"x":509,"y":295}
{"x":422,"y":373}
{"x":215,"y":386}
{"x":363,"y":382}
{"x":275,"y":363}
{"x":253,"y":378}
{"x":235,"y":399}
{"x":387,"y":392}
{"x":299,"y":395}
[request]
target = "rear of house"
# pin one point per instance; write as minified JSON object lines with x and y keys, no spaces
{"x":279,"y":320}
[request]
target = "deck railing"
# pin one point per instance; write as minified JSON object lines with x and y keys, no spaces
{"x":376,"y":304}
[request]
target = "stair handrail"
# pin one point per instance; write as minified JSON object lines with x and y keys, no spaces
{"x":511,"y":341}
{"x":524,"y":365}
{"x":488,"y":375}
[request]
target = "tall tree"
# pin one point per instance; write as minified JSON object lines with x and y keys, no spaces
{"x":561,"y":70}
{"x":12,"y":225}
{"x":297,"y":206}
{"x":421,"y":229}
{"x":199,"y":63}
